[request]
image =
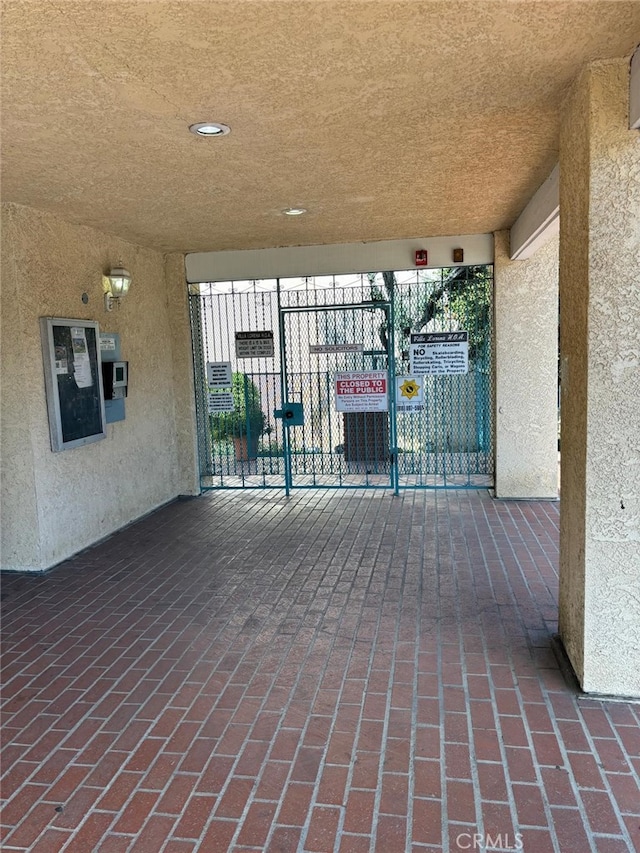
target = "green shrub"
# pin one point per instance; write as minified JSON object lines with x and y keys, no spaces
{"x":247,"y":417}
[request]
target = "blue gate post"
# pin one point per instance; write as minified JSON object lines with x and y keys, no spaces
{"x":393,"y":426}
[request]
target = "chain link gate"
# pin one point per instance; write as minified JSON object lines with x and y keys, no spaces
{"x":332,"y":353}
{"x":298,"y":419}
{"x":446,"y":439}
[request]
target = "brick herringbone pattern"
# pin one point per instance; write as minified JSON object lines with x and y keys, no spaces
{"x":329,"y":672}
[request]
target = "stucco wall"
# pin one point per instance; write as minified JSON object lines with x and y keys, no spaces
{"x":182,"y":361}
{"x":54,"y":504}
{"x":600,"y":305}
{"x":526,"y":359}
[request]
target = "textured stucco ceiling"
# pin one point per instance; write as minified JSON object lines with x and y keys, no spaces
{"x":385,"y":119}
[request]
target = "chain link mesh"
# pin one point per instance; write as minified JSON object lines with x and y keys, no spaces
{"x":443,"y":431}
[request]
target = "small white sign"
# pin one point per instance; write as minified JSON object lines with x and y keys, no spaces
{"x":439,"y":353}
{"x":362,"y":392}
{"x":220,"y":401}
{"x":219,"y":374}
{"x":61,"y":361}
{"x":107,"y":343}
{"x":330,"y":348}
{"x":254,"y":344}
{"x":81,"y":361}
{"x":409,"y":394}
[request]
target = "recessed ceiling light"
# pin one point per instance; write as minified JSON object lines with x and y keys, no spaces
{"x":294,"y":211}
{"x":210,"y":128}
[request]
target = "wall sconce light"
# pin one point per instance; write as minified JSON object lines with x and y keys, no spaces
{"x":115,"y":286}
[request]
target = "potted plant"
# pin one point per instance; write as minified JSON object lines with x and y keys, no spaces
{"x":246,"y":423}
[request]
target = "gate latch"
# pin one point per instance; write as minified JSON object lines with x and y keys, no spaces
{"x":291,"y":414}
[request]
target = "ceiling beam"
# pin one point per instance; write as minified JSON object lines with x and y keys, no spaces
{"x":336,"y":259}
{"x":539,"y":221}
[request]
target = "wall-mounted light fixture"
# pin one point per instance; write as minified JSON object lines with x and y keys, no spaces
{"x":115,"y":286}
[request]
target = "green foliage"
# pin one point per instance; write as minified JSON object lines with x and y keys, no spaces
{"x":460,"y":298}
{"x":247,"y":417}
{"x":470,"y":305}
{"x":271,"y":449}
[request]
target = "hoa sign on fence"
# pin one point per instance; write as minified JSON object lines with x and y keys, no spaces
{"x":439,"y":353}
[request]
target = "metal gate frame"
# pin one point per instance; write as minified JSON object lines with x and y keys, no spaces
{"x":445,"y":472}
{"x":387,"y":307}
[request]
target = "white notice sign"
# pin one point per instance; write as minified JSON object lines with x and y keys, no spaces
{"x":315,"y":349}
{"x":409,"y":393}
{"x":81,"y":361}
{"x":219,"y":374}
{"x":362,"y":392}
{"x":220,"y":401}
{"x":254,"y":344}
{"x":439,"y":353}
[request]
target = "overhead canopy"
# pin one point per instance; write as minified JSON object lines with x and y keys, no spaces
{"x":385,"y":120}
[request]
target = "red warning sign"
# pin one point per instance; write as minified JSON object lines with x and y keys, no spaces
{"x":362,"y":392}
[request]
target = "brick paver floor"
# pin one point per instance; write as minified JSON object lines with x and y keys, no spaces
{"x":334,"y":671}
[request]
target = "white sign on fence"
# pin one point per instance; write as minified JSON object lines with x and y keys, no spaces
{"x":362,"y":392}
{"x":409,"y":393}
{"x":314,"y":349}
{"x":439,"y":353}
{"x":219,"y":374}
{"x":220,"y":401}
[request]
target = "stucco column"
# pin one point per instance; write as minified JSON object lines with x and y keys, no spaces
{"x":182,"y":359}
{"x":526,"y":366}
{"x":600,"y":370}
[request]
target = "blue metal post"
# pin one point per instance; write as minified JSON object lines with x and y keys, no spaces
{"x":391,"y":361}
